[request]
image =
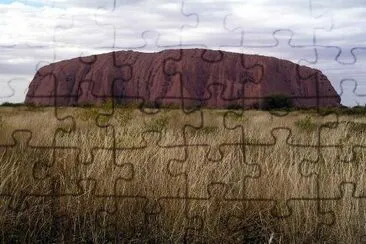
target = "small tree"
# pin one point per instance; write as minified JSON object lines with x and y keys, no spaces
{"x":277,"y":102}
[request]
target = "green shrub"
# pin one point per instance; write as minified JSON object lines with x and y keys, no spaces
{"x":88,"y":113}
{"x":157,"y":124}
{"x":172,"y":106}
{"x":357,"y":110}
{"x":35,"y":107}
{"x":306,"y":124}
{"x":277,"y":102}
{"x":123,"y":116}
{"x":343,"y":110}
{"x":234,"y":107}
{"x":329,"y":110}
{"x":108,"y":104}
{"x":133,"y":104}
{"x":7,"y":104}
{"x":255,"y":106}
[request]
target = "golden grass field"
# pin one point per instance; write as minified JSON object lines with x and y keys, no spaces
{"x":246,"y":177}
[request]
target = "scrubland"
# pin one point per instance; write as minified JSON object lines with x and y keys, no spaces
{"x":76,"y":175}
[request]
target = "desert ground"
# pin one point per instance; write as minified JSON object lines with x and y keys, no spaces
{"x":166,"y":175}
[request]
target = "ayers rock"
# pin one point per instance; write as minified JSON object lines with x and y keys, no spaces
{"x":185,"y":77}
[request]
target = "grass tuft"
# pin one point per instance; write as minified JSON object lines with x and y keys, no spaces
{"x":306,"y":124}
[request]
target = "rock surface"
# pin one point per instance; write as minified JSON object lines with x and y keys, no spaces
{"x":185,"y":77}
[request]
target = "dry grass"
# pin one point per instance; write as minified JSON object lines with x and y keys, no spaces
{"x":72,"y":187}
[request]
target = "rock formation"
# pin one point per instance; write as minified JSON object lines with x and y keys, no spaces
{"x":184,"y":77}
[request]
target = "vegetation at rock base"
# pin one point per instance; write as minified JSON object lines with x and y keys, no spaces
{"x":278,"y":101}
{"x":306,"y":124}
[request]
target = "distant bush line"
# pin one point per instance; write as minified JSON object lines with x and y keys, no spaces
{"x":275,"y":102}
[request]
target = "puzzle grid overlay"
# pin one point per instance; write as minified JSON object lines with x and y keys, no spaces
{"x":149,"y":206}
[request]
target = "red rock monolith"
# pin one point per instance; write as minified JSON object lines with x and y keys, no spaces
{"x":185,"y":77}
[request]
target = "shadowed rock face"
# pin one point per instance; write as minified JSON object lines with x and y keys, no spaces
{"x":185,"y":77}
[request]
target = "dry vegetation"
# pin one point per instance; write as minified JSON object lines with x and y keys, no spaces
{"x":261,"y":190}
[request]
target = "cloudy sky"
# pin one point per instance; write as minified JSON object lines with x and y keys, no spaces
{"x":329,"y":35}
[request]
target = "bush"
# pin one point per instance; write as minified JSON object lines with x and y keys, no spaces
{"x":357,"y":110}
{"x":158,"y":124}
{"x":151,"y":104}
{"x":88,"y":113}
{"x":306,"y":124}
{"x":172,"y":106}
{"x":277,"y":102}
{"x":123,"y":116}
{"x":108,"y":104}
{"x":234,"y":107}
{"x":7,"y":104}
{"x":343,"y":110}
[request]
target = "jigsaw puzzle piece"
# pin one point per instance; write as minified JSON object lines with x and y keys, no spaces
{"x":41,"y":40}
{"x":82,"y":89}
{"x":27,"y":176}
{"x":212,"y":134}
{"x":279,"y":164}
{"x":302,"y":221}
{"x":200,"y":172}
{"x":168,"y":222}
{"x":18,"y":226}
{"x":243,"y":85}
{"x":352,"y":39}
{"x":125,"y":220}
{"x":160,"y":120}
{"x":151,"y":176}
{"x":139,"y":86}
{"x":251,"y":122}
{"x":208,"y":25}
{"x":49,"y":94}
{"x":100,"y":177}
{"x":73,"y":222}
{"x":169,"y":35}
{"x":85,"y":128}
{"x":215,"y":85}
{"x":352,"y":92}
{"x":344,"y":137}
{"x":11,"y":122}
{"x":330,"y":170}
{"x":314,"y":16}
{"x":78,"y":85}
{"x":85,"y":27}
{"x":38,"y":23}
{"x":38,"y":169}
{"x":63,"y":170}
{"x":349,"y":213}
{"x":258,"y":125}
{"x":74,"y":128}
{"x":210,"y":219}
{"x":346,"y":77}
{"x":54,"y":219}
{"x":317,"y":90}
{"x":281,"y":46}
{"x":12,"y":89}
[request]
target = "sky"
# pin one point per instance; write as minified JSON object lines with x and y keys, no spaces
{"x":329,"y":35}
